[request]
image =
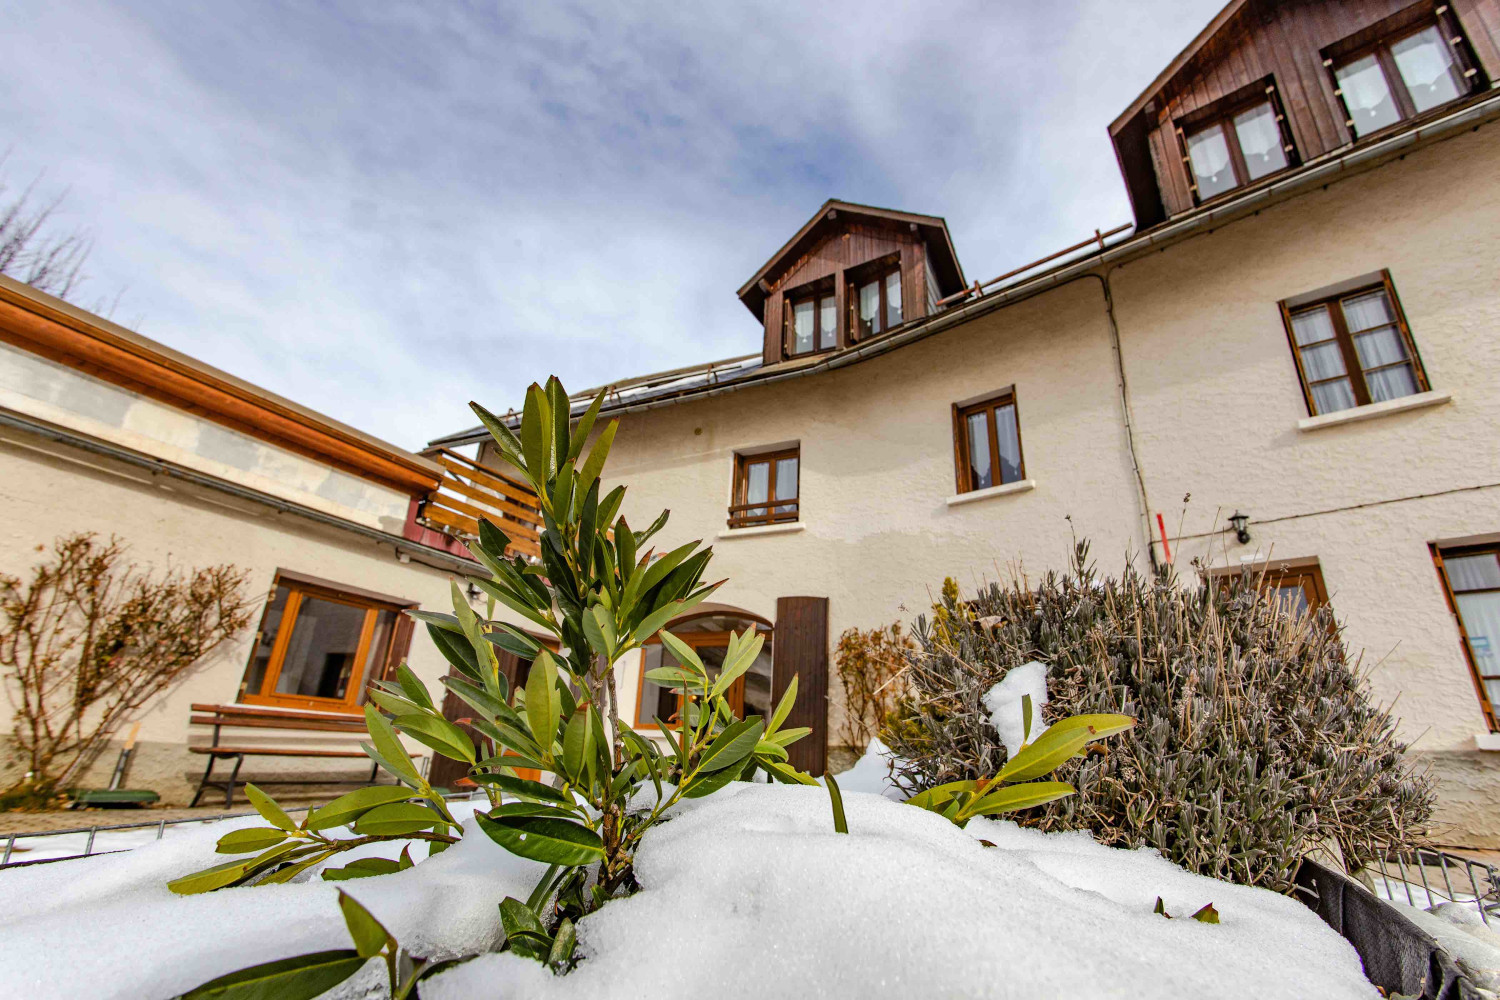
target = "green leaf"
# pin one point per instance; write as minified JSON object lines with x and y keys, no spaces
{"x":396,"y":819}
{"x":267,"y":807}
{"x":550,"y":840}
{"x":936,"y":798}
{"x":525,"y":788}
{"x":1009,"y":798}
{"x":510,"y":448}
{"x":708,"y":783}
{"x":414,"y":688}
{"x":683,"y":653}
{"x":585,"y":424}
{"x":521,"y":607}
{"x":1025,"y":719}
{"x":543,"y":707}
{"x":369,"y":935}
{"x":439,"y":734}
{"x":394,"y":704}
{"x":783,"y":707}
{"x":840,"y":824}
{"x":392,"y":754}
{"x":1061,"y":743}
{"x":563,"y":944}
{"x":361,"y":868}
{"x":1207,"y":915}
{"x":250,"y":841}
{"x":787,"y":737}
{"x":578,"y":746}
{"x":299,"y":978}
{"x":213,"y":878}
{"x":561,"y":407}
{"x":523,"y":931}
{"x":350,"y":806}
{"x":456,"y":649}
{"x":788,"y":774}
{"x":437,"y":619}
{"x":536,"y":435}
{"x":595,"y":462}
{"x":738,"y":662}
{"x":476,"y":697}
{"x":733,"y":745}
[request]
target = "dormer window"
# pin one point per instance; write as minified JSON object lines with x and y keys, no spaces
{"x":815,"y":324}
{"x":1401,"y":76}
{"x":877,"y":300}
{"x":1234,"y":142}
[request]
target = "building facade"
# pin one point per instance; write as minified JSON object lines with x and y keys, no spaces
{"x":1299,"y":330}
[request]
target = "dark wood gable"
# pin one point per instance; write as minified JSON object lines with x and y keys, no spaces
{"x":840,"y":248}
{"x":1284,"y":49}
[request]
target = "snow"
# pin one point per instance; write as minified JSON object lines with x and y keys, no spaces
{"x":1005,"y":705}
{"x":872,"y":773}
{"x":1462,"y":932}
{"x":748,"y":893}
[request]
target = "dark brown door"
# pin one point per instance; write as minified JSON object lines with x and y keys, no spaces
{"x":801,"y":650}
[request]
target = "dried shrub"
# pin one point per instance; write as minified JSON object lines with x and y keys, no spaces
{"x":1257,"y":741}
{"x":88,"y":640}
{"x":869,"y":663}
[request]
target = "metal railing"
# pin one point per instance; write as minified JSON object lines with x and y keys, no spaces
{"x":1426,"y":878}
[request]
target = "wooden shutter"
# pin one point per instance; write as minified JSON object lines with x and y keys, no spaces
{"x":400,"y":645}
{"x":444,"y":773}
{"x":800,"y":648}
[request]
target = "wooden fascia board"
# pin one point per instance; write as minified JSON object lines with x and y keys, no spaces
{"x":62,"y":335}
{"x":1175,"y":66}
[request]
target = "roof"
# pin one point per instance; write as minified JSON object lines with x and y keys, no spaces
{"x":1222,"y":18}
{"x":61,"y":332}
{"x":934,"y":230}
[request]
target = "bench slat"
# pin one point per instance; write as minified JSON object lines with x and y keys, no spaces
{"x":276,"y":752}
{"x":262,"y":712}
{"x":252,"y":722}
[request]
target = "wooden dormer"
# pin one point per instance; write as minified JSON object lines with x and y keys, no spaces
{"x":851,"y":273}
{"x":1272,"y":85}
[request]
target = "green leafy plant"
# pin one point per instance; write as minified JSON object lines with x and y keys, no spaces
{"x":601,"y":593}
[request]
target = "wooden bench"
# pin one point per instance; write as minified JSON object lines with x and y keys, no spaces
{"x":255,"y":717}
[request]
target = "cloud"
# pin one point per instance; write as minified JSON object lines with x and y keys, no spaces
{"x":383,"y":211}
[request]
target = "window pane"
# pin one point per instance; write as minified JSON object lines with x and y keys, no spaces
{"x":828,"y":322}
{"x":380,"y":642}
{"x":1323,"y":361}
{"x":979,"y":451}
{"x":1428,"y":69}
{"x":1364,"y":311}
{"x":1260,"y":140}
{"x":1480,"y":614}
{"x":1009,"y":442}
{"x":786,"y":483}
{"x":1367,"y":96}
{"x":758,"y":684}
{"x":1379,"y":347}
{"x":869,"y":308}
{"x":265,"y":642}
{"x":1481,"y":572}
{"x":655,"y":699}
{"x":1333,"y":396}
{"x":802,"y":327}
{"x":1312,"y":326}
{"x":1391,"y":383}
{"x":1209,"y":154}
{"x":757,"y":483}
{"x":893,"y":299}
{"x":1290,"y":597}
{"x":320,"y":657}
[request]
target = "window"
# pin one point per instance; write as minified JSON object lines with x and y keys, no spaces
{"x":1471,"y":577}
{"x":765,"y":488}
{"x":1236,"y":141}
{"x":708,"y":636}
{"x":1354,"y":348}
{"x":318,"y":647}
{"x":987,"y":443}
{"x":814,"y":323}
{"x":1411,"y":70}
{"x":1296,"y":588}
{"x":876,"y":304}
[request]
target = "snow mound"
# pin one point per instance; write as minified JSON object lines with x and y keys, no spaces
{"x":1462,"y":932}
{"x":872,"y":773}
{"x":1004,"y":702}
{"x":751,"y":894}
{"x":108,"y":927}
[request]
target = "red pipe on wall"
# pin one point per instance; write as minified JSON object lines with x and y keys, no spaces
{"x":1166,"y":549}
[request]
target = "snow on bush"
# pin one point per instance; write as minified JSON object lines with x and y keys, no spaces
{"x":748,"y":893}
{"x":1006,"y":705}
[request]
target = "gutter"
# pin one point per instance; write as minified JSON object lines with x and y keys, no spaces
{"x":414,"y":551}
{"x":1318,"y":173}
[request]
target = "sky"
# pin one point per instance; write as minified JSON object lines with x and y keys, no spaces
{"x":384,"y":210}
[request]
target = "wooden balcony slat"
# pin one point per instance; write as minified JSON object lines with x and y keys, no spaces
{"x":487,"y":478}
{"x":524,"y":544}
{"x":490,"y":500}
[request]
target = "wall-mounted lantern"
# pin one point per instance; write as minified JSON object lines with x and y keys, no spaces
{"x":1240,"y":522}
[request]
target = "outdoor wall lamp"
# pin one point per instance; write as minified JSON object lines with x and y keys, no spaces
{"x":473,"y":592}
{"x":1241,"y":532}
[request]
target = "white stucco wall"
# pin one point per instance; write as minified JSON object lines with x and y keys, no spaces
{"x":1216,"y":403}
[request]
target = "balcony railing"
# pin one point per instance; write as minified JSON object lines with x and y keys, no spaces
{"x":470,"y":491}
{"x":764,"y":512}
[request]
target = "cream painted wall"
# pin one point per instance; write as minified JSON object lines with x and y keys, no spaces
{"x":1216,"y":403}
{"x":47,"y":490}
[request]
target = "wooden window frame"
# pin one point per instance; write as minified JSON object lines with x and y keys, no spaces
{"x":299,"y":587}
{"x":739,"y":508}
{"x":961,"y":414}
{"x":1388,"y":32}
{"x":1308,"y":573}
{"x":814,"y":292}
{"x":735,"y":695}
{"x":877,"y":271}
{"x":1222,"y":113}
{"x":1439,"y":554}
{"x":1354,"y":371}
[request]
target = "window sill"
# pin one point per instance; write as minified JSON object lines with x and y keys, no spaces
{"x":1019,"y":486}
{"x":1487,"y":741}
{"x":1370,"y":411}
{"x":764,"y":529}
